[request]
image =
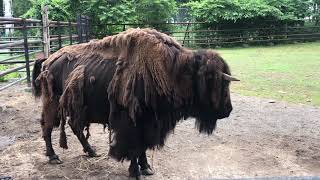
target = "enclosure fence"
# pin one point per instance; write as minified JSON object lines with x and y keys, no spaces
{"x":22,"y":40}
{"x":206,"y":35}
{"x":25,"y":39}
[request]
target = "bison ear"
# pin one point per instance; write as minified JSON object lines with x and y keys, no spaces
{"x":227,"y":77}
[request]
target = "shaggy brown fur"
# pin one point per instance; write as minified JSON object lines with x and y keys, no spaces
{"x":145,"y":79}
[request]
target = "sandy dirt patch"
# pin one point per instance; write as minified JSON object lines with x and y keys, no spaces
{"x":261,"y":138}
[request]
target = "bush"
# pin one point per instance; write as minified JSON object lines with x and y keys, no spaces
{"x":265,"y":17}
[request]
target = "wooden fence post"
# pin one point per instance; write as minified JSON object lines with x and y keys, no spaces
{"x":286,"y":30}
{"x":45,"y":32}
{"x":59,"y":35}
{"x":186,"y":34}
{"x":79,"y":28}
{"x":26,"y":50}
{"x":70,"y":32}
{"x":87,"y":28}
{"x":10,"y":35}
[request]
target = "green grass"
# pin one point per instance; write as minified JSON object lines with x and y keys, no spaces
{"x":6,"y":67}
{"x":287,"y":72}
{"x":3,"y":56}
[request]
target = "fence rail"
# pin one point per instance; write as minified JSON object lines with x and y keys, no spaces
{"x":203,"y":34}
{"x":17,"y":49}
{"x":53,"y":35}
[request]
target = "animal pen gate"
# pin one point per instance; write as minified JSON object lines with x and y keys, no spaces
{"x":28,"y":37}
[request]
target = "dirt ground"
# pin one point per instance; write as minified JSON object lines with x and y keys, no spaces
{"x":261,"y":138}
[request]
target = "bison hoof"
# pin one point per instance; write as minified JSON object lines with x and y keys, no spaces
{"x":136,"y":178}
{"x":147,"y":172}
{"x":93,"y":154}
{"x":54,"y":159}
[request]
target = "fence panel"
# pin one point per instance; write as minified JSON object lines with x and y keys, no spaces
{"x":205,"y":35}
{"x":23,"y":42}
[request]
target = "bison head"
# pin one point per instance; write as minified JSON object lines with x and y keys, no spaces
{"x":212,"y":90}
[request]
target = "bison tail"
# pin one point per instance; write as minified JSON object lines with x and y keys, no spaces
{"x":36,"y":86}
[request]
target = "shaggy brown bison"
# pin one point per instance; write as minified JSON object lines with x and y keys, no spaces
{"x":140,"y":83}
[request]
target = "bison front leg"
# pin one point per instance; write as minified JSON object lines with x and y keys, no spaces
{"x":145,"y":167}
{"x":53,"y":158}
{"x":134,"y":170}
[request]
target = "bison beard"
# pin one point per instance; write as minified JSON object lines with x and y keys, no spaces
{"x":151,"y":83}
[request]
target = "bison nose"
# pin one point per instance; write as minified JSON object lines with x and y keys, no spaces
{"x":225,"y":112}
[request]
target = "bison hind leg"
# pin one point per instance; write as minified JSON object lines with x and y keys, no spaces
{"x":54,"y":159}
{"x":78,"y":131}
{"x":72,"y":106}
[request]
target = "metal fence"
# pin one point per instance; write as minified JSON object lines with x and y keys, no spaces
{"x":28,"y":38}
{"x":205,"y":35}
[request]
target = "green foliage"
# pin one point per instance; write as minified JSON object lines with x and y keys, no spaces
{"x":107,"y":11}
{"x":274,"y":15}
{"x":235,"y":13}
{"x":59,"y":10}
{"x":316,"y":11}
{"x":149,"y":11}
{"x":20,"y":7}
{"x":2,"y":68}
{"x":247,"y":10}
{"x":234,"y":10}
{"x":292,"y":9}
{"x":156,"y":11}
{"x":112,"y":12}
{"x":127,"y":11}
{"x":1,"y":7}
{"x":9,"y":76}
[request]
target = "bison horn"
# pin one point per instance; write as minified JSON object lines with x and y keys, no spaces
{"x":229,"y":78}
{"x":118,"y":63}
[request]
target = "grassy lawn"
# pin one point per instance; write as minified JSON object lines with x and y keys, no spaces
{"x":285,"y":72}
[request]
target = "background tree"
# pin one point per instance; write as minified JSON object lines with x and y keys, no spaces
{"x":149,"y":11}
{"x":316,"y":11}
{"x":265,"y":17}
{"x":221,"y":13}
{"x":292,"y":9}
{"x":156,"y":11}
{"x":59,"y":9}
{"x":244,"y":13}
{"x":107,"y":11}
{"x":1,"y":8}
{"x":20,"y":7}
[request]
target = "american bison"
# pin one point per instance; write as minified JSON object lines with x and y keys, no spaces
{"x":139,"y":83}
